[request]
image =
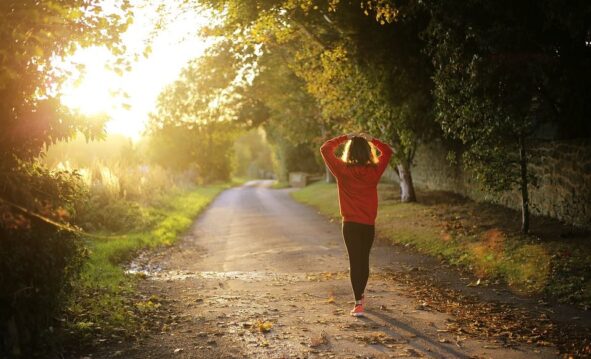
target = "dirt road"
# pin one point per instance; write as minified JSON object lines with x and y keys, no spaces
{"x":261,"y":276}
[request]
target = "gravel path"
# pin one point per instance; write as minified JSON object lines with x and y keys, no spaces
{"x":261,"y":276}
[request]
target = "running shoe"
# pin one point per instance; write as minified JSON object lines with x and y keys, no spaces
{"x":358,"y":311}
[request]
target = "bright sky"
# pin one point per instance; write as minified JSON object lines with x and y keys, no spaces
{"x":101,"y":90}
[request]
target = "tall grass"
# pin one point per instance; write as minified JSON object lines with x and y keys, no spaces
{"x":119,"y":180}
{"x":119,"y":195}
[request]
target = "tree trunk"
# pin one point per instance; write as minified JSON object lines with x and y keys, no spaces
{"x":328,"y":175}
{"x":523,"y":185}
{"x":12,"y":339}
{"x":407,"y":189}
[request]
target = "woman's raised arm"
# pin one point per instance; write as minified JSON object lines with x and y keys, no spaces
{"x":386,"y":153}
{"x":327,"y":151}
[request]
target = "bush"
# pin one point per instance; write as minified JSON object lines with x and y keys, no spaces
{"x":112,"y":216}
{"x":115,"y":196}
{"x":38,"y":258}
{"x":36,"y":267}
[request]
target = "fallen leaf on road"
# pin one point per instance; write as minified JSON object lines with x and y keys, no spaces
{"x":338,"y":311}
{"x":318,"y":340}
{"x":412,"y":352}
{"x":423,"y":306}
{"x":264,"y":326}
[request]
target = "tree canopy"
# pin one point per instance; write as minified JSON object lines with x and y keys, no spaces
{"x":493,"y":76}
{"x":501,"y":71}
{"x":333,"y":54}
{"x":33,"y":35}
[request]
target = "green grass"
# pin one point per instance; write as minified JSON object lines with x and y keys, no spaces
{"x":320,"y":195}
{"x":103,"y":298}
{"x":280,"y":185}
{"x":238,"y":181}
{"x":477,"y":238}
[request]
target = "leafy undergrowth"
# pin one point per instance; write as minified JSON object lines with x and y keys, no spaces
{"x":485,"y":239}
{"x":104,"y":305}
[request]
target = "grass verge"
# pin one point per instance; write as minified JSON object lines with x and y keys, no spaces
{"x":104,"y":303}
{"x":280,"y":185}
{"x":482,"y":238}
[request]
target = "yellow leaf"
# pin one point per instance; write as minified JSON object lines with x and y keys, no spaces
{"x":264,"y":326}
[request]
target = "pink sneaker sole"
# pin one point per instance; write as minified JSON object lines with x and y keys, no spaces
{"x":358,"y":311}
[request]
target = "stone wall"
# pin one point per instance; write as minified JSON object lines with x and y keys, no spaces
{"x":563,"y":170}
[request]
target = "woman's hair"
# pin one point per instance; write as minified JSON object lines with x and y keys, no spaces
{"x":358,"y":152}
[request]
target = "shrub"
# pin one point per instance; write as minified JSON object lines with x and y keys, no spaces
{"x":36,"y":267}
{"x":38,"y":259}
{"x":114,"y":194}
{"x":111,"y":216}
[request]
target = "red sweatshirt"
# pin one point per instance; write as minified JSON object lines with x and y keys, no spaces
{"x":357,"y":185}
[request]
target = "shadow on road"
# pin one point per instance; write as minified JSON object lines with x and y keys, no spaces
{"x":440,"y":348}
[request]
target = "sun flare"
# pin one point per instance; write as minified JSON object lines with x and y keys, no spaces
{"x":92,"y":90}
{"x":127,"y":98}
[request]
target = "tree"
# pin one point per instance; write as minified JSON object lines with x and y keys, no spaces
{"x":194,"y":122}
{"x":377,"y":75}
{"x":339,"y":53}
{"x":33,"y":34}
{"x":37,"y":256}
{"x":503,"y":70}
{"x":267,"y":93}
{"x":253,"y":155}
{"x":292,"y":117}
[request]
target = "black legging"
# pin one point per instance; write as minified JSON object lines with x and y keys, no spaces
{"x":358,"y":239}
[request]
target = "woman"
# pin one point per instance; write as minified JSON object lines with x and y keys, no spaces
{"x":358,"y":172}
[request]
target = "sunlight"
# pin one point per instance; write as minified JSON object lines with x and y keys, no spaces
{"x":93,"y":94}
{"x":171,"y":30}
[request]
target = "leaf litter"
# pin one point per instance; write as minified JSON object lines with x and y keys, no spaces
{"x":507,"y":324}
